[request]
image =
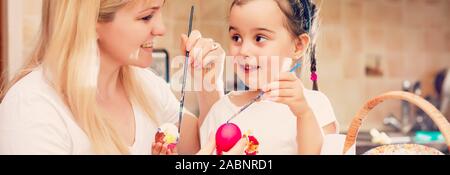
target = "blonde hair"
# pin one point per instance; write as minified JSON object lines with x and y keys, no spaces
{"x":69,"y":54}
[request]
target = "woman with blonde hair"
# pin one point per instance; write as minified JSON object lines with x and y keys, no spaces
{"x":85,"y":89}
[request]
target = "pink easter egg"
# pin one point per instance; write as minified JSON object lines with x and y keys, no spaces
{"x":226,"y":137}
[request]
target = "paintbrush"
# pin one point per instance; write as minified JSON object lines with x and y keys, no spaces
{"x":186,"y":62}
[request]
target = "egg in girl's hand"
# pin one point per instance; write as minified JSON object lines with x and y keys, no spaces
{"x":226,"y":137}
{"x":167,"y":134}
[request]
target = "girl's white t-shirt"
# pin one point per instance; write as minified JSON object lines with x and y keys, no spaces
{"x":34,"y":119}
{"x":273,"y":124}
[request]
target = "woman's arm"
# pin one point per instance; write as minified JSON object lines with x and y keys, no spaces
{"x":189,"y":141}
{"x":204,"y":53}
{"x":206,"y":60}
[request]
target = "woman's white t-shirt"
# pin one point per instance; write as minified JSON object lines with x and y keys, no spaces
{"x":34,"y":119}
{"x":273,"y":124}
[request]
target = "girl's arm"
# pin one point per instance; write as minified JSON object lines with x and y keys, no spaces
{"x":309,"y":137}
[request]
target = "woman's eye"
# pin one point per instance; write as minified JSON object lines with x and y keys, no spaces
{"x":260,"y":38}
{"x":147,"y":18}
{"x":236,"y":38}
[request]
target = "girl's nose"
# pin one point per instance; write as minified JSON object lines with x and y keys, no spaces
{"x":245,"y":50}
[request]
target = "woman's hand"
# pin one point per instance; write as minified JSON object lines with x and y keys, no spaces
{"x":205,"y":56}
{"x":162,"y":149}
{"x":288,"y":89}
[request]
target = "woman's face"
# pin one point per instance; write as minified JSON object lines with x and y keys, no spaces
{"x":261,"y":44}
{"x":128,"y":39}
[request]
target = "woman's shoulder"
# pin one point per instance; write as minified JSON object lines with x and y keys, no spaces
{"x":31,"y":102}
{"x":33,"y":98}
{"x":31,"y":85}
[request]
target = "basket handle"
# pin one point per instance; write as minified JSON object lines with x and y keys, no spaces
{"x":429,"y":109}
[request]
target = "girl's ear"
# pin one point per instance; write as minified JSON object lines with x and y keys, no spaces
{"x":301,"y":45}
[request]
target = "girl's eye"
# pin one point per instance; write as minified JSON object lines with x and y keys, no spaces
{"x":147,"y":18}
{"x":236,"y":38}
{"x":260,"y":38}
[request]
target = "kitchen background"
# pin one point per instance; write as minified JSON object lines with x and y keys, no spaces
{"x":365,"y":47}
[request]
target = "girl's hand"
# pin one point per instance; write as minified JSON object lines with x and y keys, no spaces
{"x":237,"y":149}
{"x":288,"y":89}
{"x":162,"y":149}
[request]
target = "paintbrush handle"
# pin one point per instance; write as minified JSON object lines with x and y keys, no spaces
{"x":186,"y":62}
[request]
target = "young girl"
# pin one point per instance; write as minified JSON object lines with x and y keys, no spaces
{"x":289,"y":119}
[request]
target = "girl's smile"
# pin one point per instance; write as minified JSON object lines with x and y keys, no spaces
{"x":247,"y":68}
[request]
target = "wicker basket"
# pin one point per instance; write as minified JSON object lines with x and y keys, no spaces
{"x":429,"y":109}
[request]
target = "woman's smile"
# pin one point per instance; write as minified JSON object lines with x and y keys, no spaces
{"x":147,"y":47}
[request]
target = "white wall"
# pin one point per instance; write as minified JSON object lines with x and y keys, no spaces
{"x":23,"y":22}
{"x":15,"y":36}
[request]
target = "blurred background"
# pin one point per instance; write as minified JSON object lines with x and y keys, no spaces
{"x":365,"y":48}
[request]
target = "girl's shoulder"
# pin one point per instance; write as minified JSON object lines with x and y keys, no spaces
{"x":224,"y":103}
{"x":315,"y":96}
{"x":321,"y":106}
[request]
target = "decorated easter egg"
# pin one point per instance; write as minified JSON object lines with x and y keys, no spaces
{"x":226,"y":137}
{"x":252,"y":145}
{"x":167,"y":134}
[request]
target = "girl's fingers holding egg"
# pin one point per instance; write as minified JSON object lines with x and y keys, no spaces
{"x":238,"y":148}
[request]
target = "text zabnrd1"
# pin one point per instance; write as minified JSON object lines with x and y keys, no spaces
{"x":225,"y":165}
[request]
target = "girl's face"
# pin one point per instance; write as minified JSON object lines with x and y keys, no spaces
{"x":261,"y":44}
{"x":128,"y":39}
